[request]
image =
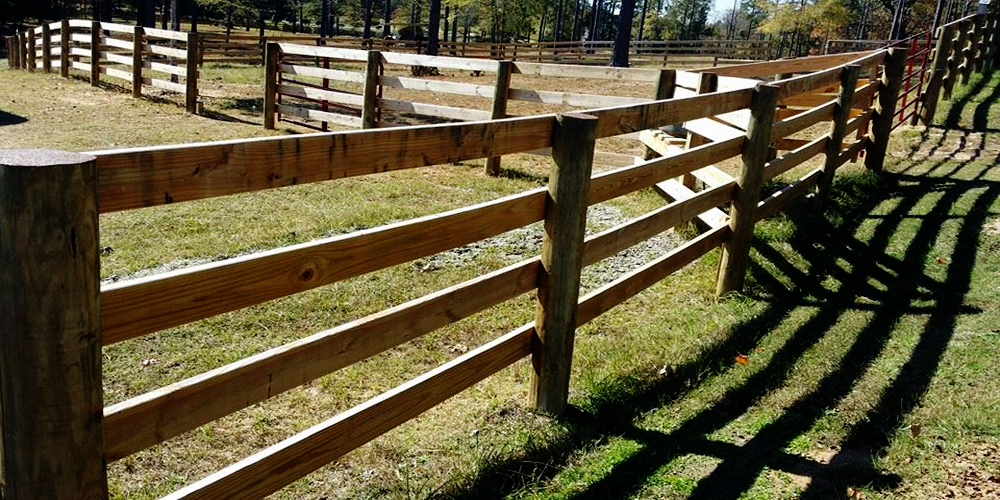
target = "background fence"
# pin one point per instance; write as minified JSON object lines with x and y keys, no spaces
{"x":132,"y":55}
{"x":218,"y":47}
{"x":65,"y":437}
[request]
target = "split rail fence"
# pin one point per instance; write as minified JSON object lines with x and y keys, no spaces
{"x":58,"y":436}
{"x":217,"y":47}
{"x":132,"y":55}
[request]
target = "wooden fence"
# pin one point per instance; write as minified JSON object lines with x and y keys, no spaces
{"x":217,"y":47}
{"x":130,"y":54}
{"x":57,"y":316}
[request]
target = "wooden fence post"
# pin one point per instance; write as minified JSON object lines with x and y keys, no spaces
{"x":955,"y":60}
{"x":137,"y":47}
{"x":708,"y":83}
{"x":885,"y":109}
{"x":562,"y":259}
{"x":10,"y":52}
{"x":942,"y":49}
{"x":64,"y":48}
{"x":989,"y":34}
{"x":736,"y":249}
{"x":95,"y":53}
{"x":971,"y":51}
{"x":271,"y":54}
{"x":31,"y":50}
{"x":369,"y":107}
{"x":191,"y":75}
{"x":46,"y":49}
{"x":665,"y":85}
{"x":500,"y":93}
{"x":841,"y":113}
{"x":982,"y":51}
{"x":50,"y":365}
{"x":15,"y":42}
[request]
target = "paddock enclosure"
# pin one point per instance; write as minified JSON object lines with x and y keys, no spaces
{"x":765,"y":119}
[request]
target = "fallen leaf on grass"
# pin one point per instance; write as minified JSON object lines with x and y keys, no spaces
{"x":915,"y":430}
{"x":854,"y":493}
{"x":742,"y":359}
{"x":942,"y":260}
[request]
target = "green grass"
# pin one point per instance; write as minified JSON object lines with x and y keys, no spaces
{"x":859,"y":327}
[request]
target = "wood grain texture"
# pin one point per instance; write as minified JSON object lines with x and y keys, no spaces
{"x":278,"y":465}
{"x":885,"y":108}
{"x":436,"y":110}
{"x":142,"y":177}
{"x":320,"y":116}
{"x":562,"y":259}
{"x":151,"y":418}
{"x":320,"y":94}
{"x":802,"y":121}
{"x":331,"y":74}
{"x":400,"y":82}
{"x":637,"y":117}
{"x":795,"y":157}
{"x":51,"y":438}
{"x":191,"y":73}
{"x":756,"y":151}
{"x":272,"y":54}
{"x":623,"y":236}
{"x":95,"y":54}
{"x":939,"y":68}
{"x":372,"y":91}
{"x":501,"y":93}
{"x":144,"y":305}
{"x":838,"y":130}
{"x":614,"y":183}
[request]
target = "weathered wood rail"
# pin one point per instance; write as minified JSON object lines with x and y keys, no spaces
{"x":218,"y":47}
{"x":57,"y":318}
{"x":132,"y":55}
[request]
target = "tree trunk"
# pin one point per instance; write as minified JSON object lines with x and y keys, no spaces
{"x":642,"y":19}
{"x":324,"y":18}
{"x":164,"y":14}
{"x":366,"y":5}
{"x":434,"y":28}
{"x":175,"y":16}
{"x":387,"y":19}
{"x":595,"y":18}
{"x":576,"y":22}
{"x":447,"y":16}
{"x":623,"y":38}
{"x":107,"y":10}
{"x":541,"y":27}
{"x":557,"y":27}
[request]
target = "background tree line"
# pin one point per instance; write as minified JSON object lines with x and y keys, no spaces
{"x":795,"y":27}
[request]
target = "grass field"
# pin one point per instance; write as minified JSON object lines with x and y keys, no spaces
{"x":869,"y":335}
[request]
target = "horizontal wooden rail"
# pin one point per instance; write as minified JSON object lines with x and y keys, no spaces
{"x":469,"y":89}
{"x":614,"y":183}
{"x":802,"y":121}
{"x":795,"y":157}
{"x":623,"y":236}
{"x":606,"y":297}
{"x":151,"y":418}
{"x":450,"y":112}
{"x":332,"y":74}
{"x":780,"y":199}
{"x":137,"y":307}
{"x":280,"y":464}
{"x":143,"y":177}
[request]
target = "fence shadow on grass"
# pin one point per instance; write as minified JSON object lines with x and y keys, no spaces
{"x":832,"y":253}
{"x":11,"y":119}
